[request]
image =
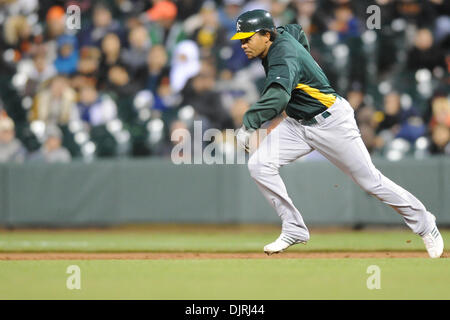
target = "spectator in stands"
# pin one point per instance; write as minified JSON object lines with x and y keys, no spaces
{"x":164,"y":29}
{"x":52,"y":150}
{"x":355,"y":97}
{"x":102,"y":24}
{"x":122,"y":89}
{"x":388,"y":41}
{"x":119,"y":81}
{"x":256,"y":4}
{"x":388,"y":8}
{"x":157,"y":56}
{"x":440,"y":108}
{"x":185,"y":64}
{"x":390,"y":117}
{"x":282,"y":12}
{"x":415,"y":12}
{"x":439,"y":124}
{"x":166,"y":98}
{"x":17,"y":35}
{"x":388,"y":120}
{"x":210,"y":35}
{"x":398,"y":123}
{"x":180,"y":138}
{"x":88,"y":68}
{"x":11,"y":149}
{"x":440,"y":140}
{"x":307,"y":17}
{"x":412,"y":126}
{"x":42,"y":70}
{"x":67,"y":59}
{"x":37,"y":70}
{"x":199,"y":92}
{"x":157,"y":67}
{"x":55,"y":27}
{"x":345,"y":23}
{"x":364,"y":115}
{"x":16,"y":30}
{"x":55,"y":23}
{"x":95,"y":109}
{"x":228,"y":15}
{"x":187,"y":8}
{"x":24,"y":7}
{"x":237,"y":85}
{"x":424,"y":54}
{"x":442,"y":29}
{"x":238,"y":109}
{"x":232,"y":57}
{"x":135,"y":57}
{"x":110,"y":56}
{"x":55,"y":104}
{"x":110,"y":49}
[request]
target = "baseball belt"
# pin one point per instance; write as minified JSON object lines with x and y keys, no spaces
{"x":313,"y":120}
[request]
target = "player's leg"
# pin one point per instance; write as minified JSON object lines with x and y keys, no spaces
{"x":283,"y":145}
{"x":339,"y":141}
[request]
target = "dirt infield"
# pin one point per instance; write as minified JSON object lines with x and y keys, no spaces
{"x":177,"y":228}
{"x":191,"y":255}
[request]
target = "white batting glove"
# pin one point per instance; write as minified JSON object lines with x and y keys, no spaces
{"x":243,"y":138}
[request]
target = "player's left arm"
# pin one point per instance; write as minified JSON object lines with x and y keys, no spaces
{"x":298,"y":33}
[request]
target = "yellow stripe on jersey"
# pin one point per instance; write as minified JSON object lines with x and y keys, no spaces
{"x":326,"y":99}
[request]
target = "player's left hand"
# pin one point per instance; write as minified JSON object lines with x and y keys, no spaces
{"x":243,"y":138}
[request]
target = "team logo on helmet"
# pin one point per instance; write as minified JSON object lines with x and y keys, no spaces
{"x":238,"y":26}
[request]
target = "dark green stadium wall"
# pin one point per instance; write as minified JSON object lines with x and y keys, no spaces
{"x":156,"y":191}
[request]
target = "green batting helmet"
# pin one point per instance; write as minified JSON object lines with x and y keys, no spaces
{"x":251,"y":22}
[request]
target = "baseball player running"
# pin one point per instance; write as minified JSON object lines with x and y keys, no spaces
{"x":317,"y":119}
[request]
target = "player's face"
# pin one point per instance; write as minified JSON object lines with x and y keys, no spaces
{"x":255,"y":46}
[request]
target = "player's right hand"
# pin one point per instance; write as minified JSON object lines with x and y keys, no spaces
{"x":243,"y":138}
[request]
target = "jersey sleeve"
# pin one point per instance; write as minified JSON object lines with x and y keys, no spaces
{"x":282,"y":71}
{"x":298,"y":33}
{"x":278,"y":73}
{"x":271,"y":104}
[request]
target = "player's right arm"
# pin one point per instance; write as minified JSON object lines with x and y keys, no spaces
{"x":271,"y":104}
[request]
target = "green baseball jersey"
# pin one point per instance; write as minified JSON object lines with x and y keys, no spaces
{"x":289,"y":66}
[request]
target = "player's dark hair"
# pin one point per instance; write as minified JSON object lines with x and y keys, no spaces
{"x":273,"y":33}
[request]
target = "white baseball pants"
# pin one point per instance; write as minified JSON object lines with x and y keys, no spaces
{"x":337,"y":138}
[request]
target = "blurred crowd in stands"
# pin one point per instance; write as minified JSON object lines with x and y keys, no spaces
{"x":137,"y":70}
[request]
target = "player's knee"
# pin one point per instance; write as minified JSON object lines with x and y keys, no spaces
{"x":259,"y":169}
{"x":371,"y":187}
{"x":255,"y":169}
{"x":371,"y":184}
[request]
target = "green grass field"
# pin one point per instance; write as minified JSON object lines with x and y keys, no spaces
{"x":235,"y":279}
